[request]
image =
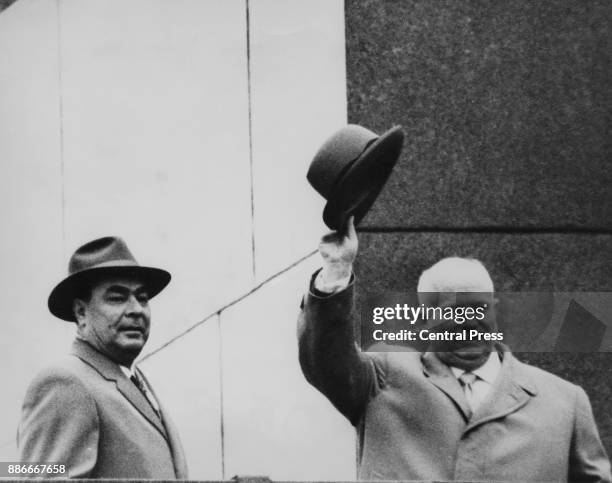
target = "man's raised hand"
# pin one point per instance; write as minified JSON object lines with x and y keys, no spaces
{"x":338,"y":250}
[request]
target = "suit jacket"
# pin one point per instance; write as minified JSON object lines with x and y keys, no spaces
{"x":84,"y":412}
{"x":414,"y":422}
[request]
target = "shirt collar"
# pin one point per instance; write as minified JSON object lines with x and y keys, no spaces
{"x":127,"y":371}
{"x":487,"y":372}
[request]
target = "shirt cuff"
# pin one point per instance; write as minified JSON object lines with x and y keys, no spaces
{"x":327,"y":287}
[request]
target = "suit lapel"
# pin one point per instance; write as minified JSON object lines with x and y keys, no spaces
{"x":111,"y":371}
{"x":139,"y":401}
{"x":178,"y":455}
{"x":440,"y":375}
{"x":511,"y":391}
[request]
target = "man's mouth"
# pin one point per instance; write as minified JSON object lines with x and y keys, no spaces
{"x":132,"y":330}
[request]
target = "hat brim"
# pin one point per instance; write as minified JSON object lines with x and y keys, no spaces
{"x":357,"y":190}
{"x":61,"y":299}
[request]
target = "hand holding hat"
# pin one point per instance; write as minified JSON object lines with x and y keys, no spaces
{"x":338,"y":250}
{"x":350,"y":170}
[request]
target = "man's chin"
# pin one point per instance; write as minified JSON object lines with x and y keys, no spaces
{"x":471,"y":353}
{"x":131,"y":345}
{"x":467,"y":357}
{"x":468,"y":349}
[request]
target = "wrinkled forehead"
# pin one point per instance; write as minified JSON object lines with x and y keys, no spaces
{"x":118,"y":282}
{"x":456,"y":299}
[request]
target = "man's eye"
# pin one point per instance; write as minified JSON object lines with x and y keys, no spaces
{"x":116,"y":298}
{"x":143,"y":298}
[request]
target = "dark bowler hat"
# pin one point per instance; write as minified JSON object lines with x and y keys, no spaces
{"x":350,"y":170}
{"x":102,"y":257}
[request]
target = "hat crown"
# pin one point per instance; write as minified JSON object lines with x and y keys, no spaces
{"x":101,"y":252}
{"x":336,"y":155}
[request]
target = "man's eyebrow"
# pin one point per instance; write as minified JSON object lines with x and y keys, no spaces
{"x":118,"y":288}
{"x":124,"y":289}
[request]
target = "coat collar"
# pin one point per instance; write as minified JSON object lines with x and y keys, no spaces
{"x":178,"y":454}
{"x":511,"y":391}
{"x":112,"y":372}
{"x":441,"y":376}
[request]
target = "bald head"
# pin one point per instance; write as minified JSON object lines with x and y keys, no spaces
{"x":455,"y":274}
{"x":460,"y":283}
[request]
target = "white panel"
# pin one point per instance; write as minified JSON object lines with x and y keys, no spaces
{"x":30,"y":197}
{"x":186,"y":377}
{"x":275,"y":423}
{"x":8,"y":451}
{"x":298,"y":85}
{"x":156,"y":143}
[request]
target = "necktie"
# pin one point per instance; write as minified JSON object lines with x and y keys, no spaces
{"x":467,"y":380}
{"x":139,"y":383}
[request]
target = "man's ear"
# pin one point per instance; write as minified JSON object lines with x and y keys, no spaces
{"x":78,"y":308}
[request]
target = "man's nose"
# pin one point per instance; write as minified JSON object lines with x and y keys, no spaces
{"x":135,"y":306}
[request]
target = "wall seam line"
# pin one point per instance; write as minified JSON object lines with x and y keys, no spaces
{"x":228,"y":305}
{"x":250,"y":109}
{"x":61,"y":126}
{"x":221,"y":403}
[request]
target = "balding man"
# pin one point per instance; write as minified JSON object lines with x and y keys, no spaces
{"x":460,"y":411}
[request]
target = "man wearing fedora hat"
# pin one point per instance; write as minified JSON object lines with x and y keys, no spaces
{"x":454,"y":412}
{"x":94,"y":411}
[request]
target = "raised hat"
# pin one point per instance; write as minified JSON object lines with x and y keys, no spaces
{"x":102,"y":257}
{"x":350,"y":170}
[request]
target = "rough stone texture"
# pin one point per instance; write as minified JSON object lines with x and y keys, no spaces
{"x":507,"y":108}
{"x":517,"y":262}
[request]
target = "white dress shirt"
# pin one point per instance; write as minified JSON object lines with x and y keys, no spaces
{"x":129,"y":372}
{"x":482,"y":385}
{"x":330,"y":287}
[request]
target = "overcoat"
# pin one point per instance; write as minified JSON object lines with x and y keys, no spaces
{"x":413,"y":420}
{"x":84,"y":412}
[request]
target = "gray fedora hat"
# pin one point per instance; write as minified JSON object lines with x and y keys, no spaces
{"x":350,"y":170}
{"x":102,"y":257}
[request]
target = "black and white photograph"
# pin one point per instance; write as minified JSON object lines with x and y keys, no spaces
{"x":306,"y":240}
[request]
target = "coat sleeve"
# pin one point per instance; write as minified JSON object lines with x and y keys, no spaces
{"x":588,"y":459}
{"x":59,"y":423}
{"x":329,"y":356}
